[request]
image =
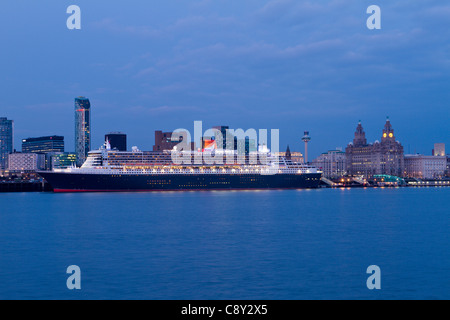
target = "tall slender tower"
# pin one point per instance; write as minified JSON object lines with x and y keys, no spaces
{"x":306,"y":138}
{"x":6,"y":141}
{"x":82,"y":129}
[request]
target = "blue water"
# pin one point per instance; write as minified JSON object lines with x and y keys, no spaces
{"x":305,"y":244}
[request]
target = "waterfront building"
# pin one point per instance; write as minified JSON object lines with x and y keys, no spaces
{"x":425,"y":167}
{"x":63,"y":160}
{"x":48,"y":146}
{"x":48,"y":159}
{"x":6,"y":141}
{"x":26,"y":162}
{"x":117,"y":140}
{"x":447,"y":171}
{"x":332,"y":163}
{"x":294,"y":156}
{"x":82,"y":129}
{"x":439,"y":149}
{"x":367,"y":160}
{"x":164,"y":141}
{"x":225,"y":140}
{"x":43,"y":144}
{"x":297,"y":157}
{"x":247,"y":144}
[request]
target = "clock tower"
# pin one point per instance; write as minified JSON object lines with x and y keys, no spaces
{"x":388,"y":132}
{"x":367,"y":160}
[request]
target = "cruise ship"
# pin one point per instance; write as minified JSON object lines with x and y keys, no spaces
{"x":108,"y":170}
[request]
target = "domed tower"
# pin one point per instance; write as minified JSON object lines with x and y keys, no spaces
{"x":360,"y":136}
{"x":388,"y":132}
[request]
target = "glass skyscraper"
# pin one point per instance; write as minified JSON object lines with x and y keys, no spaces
{"x":6,"y":141}
{"x":82,"y":129}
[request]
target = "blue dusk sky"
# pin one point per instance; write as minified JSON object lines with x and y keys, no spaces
{"x":279,"y":64}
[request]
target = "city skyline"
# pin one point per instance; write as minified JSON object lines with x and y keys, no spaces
{"x":299,"y":148}
{"x":296,"y":66}
{"x":360,"y":159}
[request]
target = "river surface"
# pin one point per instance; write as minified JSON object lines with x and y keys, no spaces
{"x":293,"y":244}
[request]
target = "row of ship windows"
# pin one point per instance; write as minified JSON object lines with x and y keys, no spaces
{"x":223,"y":180}
{"x":176,"y":171}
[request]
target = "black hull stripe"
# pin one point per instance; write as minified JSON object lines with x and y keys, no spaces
{"x":66,"y":182}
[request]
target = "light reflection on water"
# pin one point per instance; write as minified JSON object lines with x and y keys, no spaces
{"x":266,"y":244}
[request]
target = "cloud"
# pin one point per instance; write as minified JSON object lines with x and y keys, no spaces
{"x":48,"y":106}
{"x":112,"y":26}
{"x":289,"y":13}
{"x":183,"y":25}
{"x":279,"y":10}
{"x":145,"y":72}
{"x":441,"y":11}
{"x":296,"y":57}
{"x":141,"y":110}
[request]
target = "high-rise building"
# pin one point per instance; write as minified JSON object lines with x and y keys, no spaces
{"x":6,"y":141}
{"x":82,"y":129}
{"x":117,"y":140}
{"x":225,"y":140}
{"x":43,"y":144}
{"x":385,"y":157}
